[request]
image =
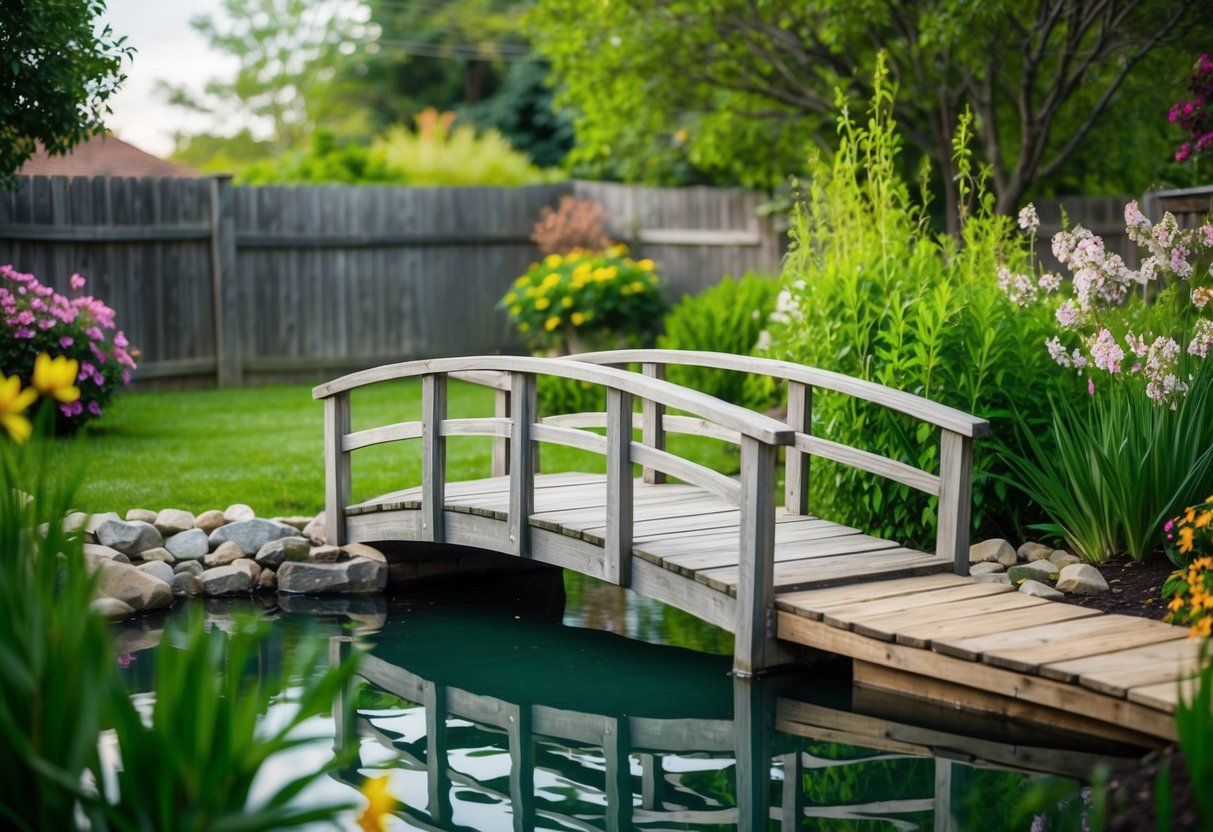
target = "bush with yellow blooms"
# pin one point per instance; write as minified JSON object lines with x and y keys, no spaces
{"x":1190,"y":542}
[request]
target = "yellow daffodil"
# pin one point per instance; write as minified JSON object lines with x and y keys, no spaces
{"x":56,"y":377}
{"x":578,"y":318}
{"x":566,"y":302}
{"x":551,"y":323}
{"x":1203,"y":518}
{"x":542,"y":304}
{"x":13,"y":402}
{"x":380,"y":803}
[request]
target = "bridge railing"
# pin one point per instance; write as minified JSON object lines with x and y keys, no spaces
{"x":517,"y":422}
{"x":952,"y":484}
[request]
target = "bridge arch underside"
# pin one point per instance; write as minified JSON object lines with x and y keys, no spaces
{"x":685,"y":549}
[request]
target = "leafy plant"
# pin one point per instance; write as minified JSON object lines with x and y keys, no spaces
{"x":1109,"y":473}
{"x":324,"y":162}
{"x":1194,"y":730}
{"x":1191,"y":592}
{"x":728,"y":317}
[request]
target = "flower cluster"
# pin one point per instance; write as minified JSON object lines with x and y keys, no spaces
{"x":584,"y":298}
{"x":53,"y":377}
{"x":1102,"y":284}
{"x":1196,"y":116}
{"x":38,"y":320}
{"x":1190,"y":542}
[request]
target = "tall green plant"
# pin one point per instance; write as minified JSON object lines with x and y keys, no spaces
{"x":1194,"y":730}
{"x":871,"y":292}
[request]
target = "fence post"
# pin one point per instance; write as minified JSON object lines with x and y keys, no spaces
{"x":955,"y":499}
{"x":755,"y":648}
{"x":336,"y":466}
{"x":225,"y":287}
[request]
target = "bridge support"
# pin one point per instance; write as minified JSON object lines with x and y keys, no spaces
{"x":755,"y":648}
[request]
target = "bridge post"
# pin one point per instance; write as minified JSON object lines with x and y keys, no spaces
{"x":522,"y":463}
{"x":336,"y":466}
{"x":652,"y":423}
{"x":433,"y":458}
{"x":501,"y":447}
{"x":755,"y":647}
{"x":617,"y":551}
{"x":955,"y":499}
{"x":796,"y":468}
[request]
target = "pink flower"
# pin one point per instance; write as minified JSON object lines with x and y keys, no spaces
{"x":77,"y":282}
{"x":66,"y":341}
{"x":1090,"y":387}
{"x":24,"y":332}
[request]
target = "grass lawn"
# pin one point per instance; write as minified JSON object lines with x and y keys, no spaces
{"x":206,"y":449}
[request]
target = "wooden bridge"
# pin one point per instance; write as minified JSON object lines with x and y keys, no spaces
{"x":721,"y":548}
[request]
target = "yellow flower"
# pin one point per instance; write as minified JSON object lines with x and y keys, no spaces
{"x":1185,"y":539}
{"x":510,"y":298}
{"x":1177,"y":603}
{"x":516,"y":309}
{"x":566,"y":301}
{"x":637,"y":286}
{"x":553,"y":260}
{"x":551,"y":323}
{"x":1203,"y":518}
{"x":619,"y":249}
{"x":646,"y":264}
{"x":56,"y":377}
{"x":583,"y":270}
{"x":523,"y":326}
{"x":542,"y":304}
{"x":1203,"y":627}
{"x":522,"y":281}
{"x":578,"y":318}
{"x":13,"y":402}
{"x":379,"y":804}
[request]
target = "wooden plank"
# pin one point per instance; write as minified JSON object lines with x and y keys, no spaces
{"x":955,"y":499}
{"x":522,"y":463}
{"x":810,"y":602}
{"x":796,"y":463}
{"x":974,"y":648}
{"x":843,"y":615}
{"x":617,"y":548}
{"x":1164,"y":696}
{"x":336,"y":466}
{"x":811,"y":546}
{"x":977,"y":624}
{"x":433,"y":457}
{"x":754,"y":645}
{"x":1128,"y":634}
{"x":378,"y":436}
{"x":886,"y":626}
{"x":1119,"y":681}
{"x":652,"y":427}
{"x":225,"y":285}
{"x":1169,"y":653}
{"x":882,"y":466}
{"x":85,"y":234}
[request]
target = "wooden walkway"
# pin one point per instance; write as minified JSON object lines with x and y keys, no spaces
{"x":720,"y":548}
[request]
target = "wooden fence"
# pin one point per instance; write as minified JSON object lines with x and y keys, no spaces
{"x":217,"y":283}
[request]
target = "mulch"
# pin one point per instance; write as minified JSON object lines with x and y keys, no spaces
{"x":1134,"y":588}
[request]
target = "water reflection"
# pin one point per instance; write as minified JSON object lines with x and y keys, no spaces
{"x":491,"y":711}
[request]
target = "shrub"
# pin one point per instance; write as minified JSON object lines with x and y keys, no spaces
{"x":586,"y":300}
{"x":1191,"y":590}
{"x":576,"y":224}
{"x":869,"y":291}
{"x":38,"y":319}
{"x":728,"y":317}
{"x":325,"y":163}
{"x":1190,"y":535}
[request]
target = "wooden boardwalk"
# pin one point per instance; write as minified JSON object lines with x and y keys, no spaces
{"x":777,"y":577}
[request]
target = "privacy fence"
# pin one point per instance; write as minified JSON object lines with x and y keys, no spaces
{"x":219,"y":283}
{"x":223,"y":284}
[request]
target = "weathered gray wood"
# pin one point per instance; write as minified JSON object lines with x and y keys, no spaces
{"x":437,"y":751}
{"x":336,"y":466}
{"x":692,"y":472}
{"x":522,"y":766}
{"x":225,"y":285}
{"x":501,"y":447}
{"x":617,"y":552}
{"x":522,"y":463}
{"x":872,"y":463}
{"x":955,"y":499}
{"x":378,"y":436}
{"x":433,"y":457}
{"x":652,"y":415}
{"x":796,"y":466}
{"x":615,"y":750}
{"x":792,"y":804}
{"x":755,"y":648}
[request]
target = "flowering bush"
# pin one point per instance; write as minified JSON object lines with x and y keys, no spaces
{"x":1190,"y":534}
{"x":1191,"y":593}
{"x":585,"y":300}
{"x":1196,"y":116}
{"x":37,"y":320}
{"x":576,"y":224}
{"x":1104,"y":324}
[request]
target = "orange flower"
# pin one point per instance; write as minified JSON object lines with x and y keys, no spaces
{"x":380,"y":803}
{"x":1203,"y":627}
{"x":1185,"y":539}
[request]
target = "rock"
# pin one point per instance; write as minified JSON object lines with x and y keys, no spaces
{"x":157,"y":554}
{"x":186,"y":584}
{"x":1039,"y":590}
{"x":226,"y":580}
{"x":250,"y":566}
{"x":361,"y":550}
{"x":111,"y":607}
{"x":208,"y":521}
{"x":173,"y":521}
{"x":267,"y":579}
{"x":157,"y":569}
{"x":129,"y":537}
{"x":95,"y":551}
{"x":993,"y":578}
{"x":316,"y":531}
{"x":275,"y":552}
{"x":138,"y":589}
{"x":251,"y":535}
{"x":356,"y":576}
{"x":988,"y":567}
{"x":1081,"y":579}
{"x":189,"y":545}
{"x":95,"y":520}
{"x":1037,"y":570}
{"x":189,"y":567}
{"x":1034,"y":551}
{"x":227,"y":552}
{"x":326,"y":554}
{"x":1061,"y":558}
{"x":141,"y":515}
{"x":295,"y":521}
{"x":75,"y":521}
{"x":238,"y":513}
{"x":995,"y":549}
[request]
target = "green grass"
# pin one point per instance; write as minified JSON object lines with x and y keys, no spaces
{"x":199,"y":450}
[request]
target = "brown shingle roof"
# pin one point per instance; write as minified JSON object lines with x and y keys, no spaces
{"x":103,"y":156}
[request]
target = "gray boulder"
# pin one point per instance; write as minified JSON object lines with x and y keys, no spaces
{"x":250,"y":566}
{"x":275,"y":552}
{"x":1081,"y":579}
{"x":996,"y":550}
{"x":75,"y":521}
{"x":141,"y":515}
{"x":94,"y":552}
{"x":137,"y":589}
{"x":189,"y":545}
{"x":1037,"y":570}
{"x":225,"y":553}
{"x":129,"y":537}
{"x":238,"y":513}
{"x":158,"y":569}
{"x":1061,"y":558}
{"x":186,"y":585}
{"x":268,"y":579}
{"x":357,"y":576}
{"x":189,"y":567}
{"x":251,"y":535}
{"x":327,"y":554}
{"x":316,"y":531}
{"x":208,"y":521}
{"x":159,"y":553}
{"x":987,"y":567}
{"x":294,"y":521}
{"x":361,"y":550}
{"x":1039,"y":590}
{"x":112,"y":607}
{"x":95,"y":520}
{"x":226,"y":580}
{"x":174,"y":520}
{"x":993,"y":578}
{"x":1034,"y":551}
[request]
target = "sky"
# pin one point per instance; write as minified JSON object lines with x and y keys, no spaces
{"x":166,"y":49}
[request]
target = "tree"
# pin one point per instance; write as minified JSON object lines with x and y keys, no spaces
{"x":56,"y":76}
{"x":741,"y":88}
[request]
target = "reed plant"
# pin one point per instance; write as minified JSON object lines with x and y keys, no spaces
{"x":1194,"y":730}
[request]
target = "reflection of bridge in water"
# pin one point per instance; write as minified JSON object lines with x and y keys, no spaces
{"x":605,"y":732}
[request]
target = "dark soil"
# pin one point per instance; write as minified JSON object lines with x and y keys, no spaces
{"x":1136,"y":589}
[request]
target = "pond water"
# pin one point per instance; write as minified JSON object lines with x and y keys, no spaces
{"x":535,"y":702}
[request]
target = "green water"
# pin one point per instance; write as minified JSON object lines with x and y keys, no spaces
{"x":528,"y":702}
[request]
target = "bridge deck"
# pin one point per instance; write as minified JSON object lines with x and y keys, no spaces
{"x":907,"y":621}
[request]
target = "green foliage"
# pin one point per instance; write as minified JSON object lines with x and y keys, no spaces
{"x":434,"y":154}
{"x":872,"y":294}
{"x":523,"y":111}
{"x":1194,"y":730}
{"x":57,"y":74}
{"x":221,"y":154}
{"x":1109,"y":473}
{"x":727,"y":317}
{"x":324,"y":162}
{"x":193,"y":764}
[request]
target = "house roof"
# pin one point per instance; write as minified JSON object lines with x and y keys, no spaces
{"x":103,"y":156}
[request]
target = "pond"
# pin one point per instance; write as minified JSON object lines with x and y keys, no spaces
{"x":537,"y":701}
